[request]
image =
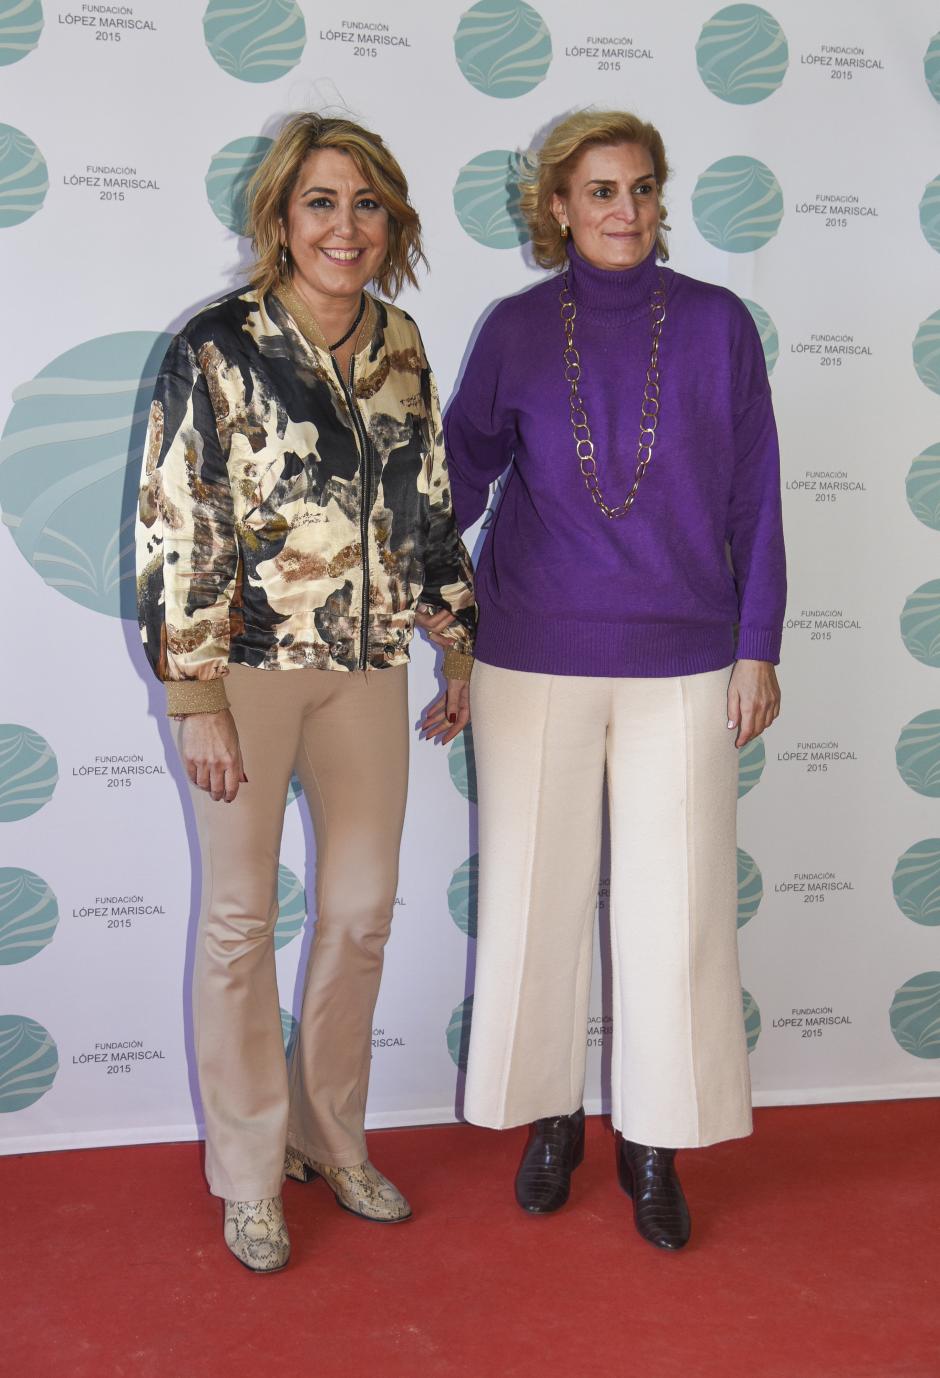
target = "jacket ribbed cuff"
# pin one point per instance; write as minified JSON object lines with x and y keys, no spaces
{"x":457,"y":665}
{"x":186,"y":696}
{"x":756,"y":643}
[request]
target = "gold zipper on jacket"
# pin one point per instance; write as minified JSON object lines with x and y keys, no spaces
{"x":365,"y":450}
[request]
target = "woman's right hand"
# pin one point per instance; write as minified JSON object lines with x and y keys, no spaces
{"x":211,"y":753}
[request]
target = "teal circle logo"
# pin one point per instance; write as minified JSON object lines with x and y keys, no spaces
{"x":24,"y":178}
{"x":750,"y":887}
{"x":930,"y":213}
{"x":230,"y":171}
{"x":737,"y":204}
{"x":458,"y":1032}
{"x":73,"y":438}
{"x":752,"y":1026}
{"x":751,"y":761}
{"x":932,"y":66}
{"x":255,"y":40}
{"x":29,"y":913}
{"x":486,"y":200}
{"x":29,"y":1061}
{"x":916,"y":882}
{"x":915,"y":1015}
{"x":462,"y":766}
{"x":503,"y":47}
{"x":462,"y":895}
{"x":29,"y":772}
{"x":742,"y":54}
{"x":289,"y":1027}
{"x":923,"y":487}
{"x":20,"y":27}
{"x":927,"y":352}
{"x":291,"y":907}
{"x":770,"y":340}
{"x":918,"y":753}
{"x":920,"y":623}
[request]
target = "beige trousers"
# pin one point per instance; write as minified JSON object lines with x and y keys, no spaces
{"x":346,"y":735}
{"x":679,"y":1071}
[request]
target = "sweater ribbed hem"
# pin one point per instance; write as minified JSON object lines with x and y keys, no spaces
{"x":640,"y":650}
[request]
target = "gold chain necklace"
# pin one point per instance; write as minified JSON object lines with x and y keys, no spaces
{"x":649,"y":410}
{"x":310,"y":326}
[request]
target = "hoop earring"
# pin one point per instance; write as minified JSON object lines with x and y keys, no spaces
{"x":564,"y":231}
{"x":283,"y":262}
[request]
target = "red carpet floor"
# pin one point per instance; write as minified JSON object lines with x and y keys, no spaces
{"x":815,"y":1254}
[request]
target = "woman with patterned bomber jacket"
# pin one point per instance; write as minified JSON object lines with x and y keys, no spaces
{"x":294,"y":524}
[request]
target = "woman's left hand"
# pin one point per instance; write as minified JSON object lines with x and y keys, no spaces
{"x":449,"y":714}
{"x":434,"y":623}
{"x":753,"y":699}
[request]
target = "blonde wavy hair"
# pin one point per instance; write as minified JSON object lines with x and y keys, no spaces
{"x":550,"y":169}
{"x":270,"y":189}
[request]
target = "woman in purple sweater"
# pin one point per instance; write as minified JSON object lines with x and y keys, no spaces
{"x":631,"y":592}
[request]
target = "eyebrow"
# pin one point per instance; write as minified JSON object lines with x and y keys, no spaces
{"x":331,"y":191}
{"x":610,"y":182}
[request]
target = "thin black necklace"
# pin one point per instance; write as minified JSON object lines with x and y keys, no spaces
{"x":355,"y":325}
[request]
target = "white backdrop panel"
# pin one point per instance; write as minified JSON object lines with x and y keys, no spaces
{"x":822,"y":121}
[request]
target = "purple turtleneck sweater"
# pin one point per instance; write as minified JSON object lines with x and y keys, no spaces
{"x":561,"y":588}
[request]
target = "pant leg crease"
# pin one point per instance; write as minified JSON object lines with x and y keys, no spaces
{"x":524,"y":933}
{"x":690,"y":783}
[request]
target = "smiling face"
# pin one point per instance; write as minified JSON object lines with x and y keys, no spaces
{"x":611,"y":204}
{"x":336,"y":229}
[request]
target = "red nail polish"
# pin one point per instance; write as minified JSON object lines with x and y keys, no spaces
{"x":451,"y":717}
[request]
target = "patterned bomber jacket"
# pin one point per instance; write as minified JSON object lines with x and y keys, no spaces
{"x":288,"y":516}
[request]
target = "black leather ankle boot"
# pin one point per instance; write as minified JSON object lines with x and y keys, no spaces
{"x":648,"y":1176}
{"x":554,"y":1150}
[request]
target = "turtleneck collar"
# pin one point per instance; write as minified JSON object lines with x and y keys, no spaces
{"x":620,"y":293}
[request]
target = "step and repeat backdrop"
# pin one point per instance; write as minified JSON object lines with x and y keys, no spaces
{"x":804,"y":145}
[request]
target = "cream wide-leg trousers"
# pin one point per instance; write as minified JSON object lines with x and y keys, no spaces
{"x":679,"y":1070}
{"x":346,"y":735}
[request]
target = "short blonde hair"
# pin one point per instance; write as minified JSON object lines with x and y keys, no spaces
{"x":270,"y":189}
{"x":555,"y":162}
